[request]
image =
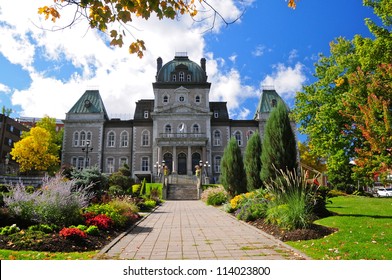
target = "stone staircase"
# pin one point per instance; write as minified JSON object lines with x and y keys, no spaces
{"x":182,"y":187}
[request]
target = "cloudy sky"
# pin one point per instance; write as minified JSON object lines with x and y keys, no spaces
{"x":44,"y":72}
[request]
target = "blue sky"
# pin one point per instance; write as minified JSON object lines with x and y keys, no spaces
{"x":44,"y":72}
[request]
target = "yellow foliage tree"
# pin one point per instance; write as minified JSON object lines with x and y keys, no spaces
{"x":36,"y":152}
{"x":101,"y":13}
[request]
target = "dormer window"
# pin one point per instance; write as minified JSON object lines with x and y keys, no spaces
{"x":165,"y":99}
{"x":216,"y":114}
{"x":146,"y":114}
{"x":197,"y":99}
{"x":181,"y":76}
{"x":181,"y":98}
{"x":188,"y":78}
{"x":274,"y":102}
{"x":174,"y":77}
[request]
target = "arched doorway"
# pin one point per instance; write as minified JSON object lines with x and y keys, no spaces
{"x":195,"y":161}
{"x":168,"y":158}
{"x":181,"y":164}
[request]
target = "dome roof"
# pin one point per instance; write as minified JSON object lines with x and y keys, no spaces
{"x":181,"y":70}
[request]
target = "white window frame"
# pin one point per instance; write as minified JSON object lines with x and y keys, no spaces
{"x":238,"y":137}
{"x":145,"y":164}
{"x":146,"y":114}
{"x":217,"y":164}
{"x":111,"y":140}
{"x":76,"y":139}
{"x":217,"y":140}
{"x":145,"y":139}
{"x":181,"y":76}
{"x":110,"y":165}
{"x":124,"y":139}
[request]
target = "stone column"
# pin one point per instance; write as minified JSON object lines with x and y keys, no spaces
{"x":174,"y":159}
{"x":189,"y":161}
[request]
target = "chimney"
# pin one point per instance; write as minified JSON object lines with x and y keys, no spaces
{"x":203,"y":64}
{"x":159,"y":64}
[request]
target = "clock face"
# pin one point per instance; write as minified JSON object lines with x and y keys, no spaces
{"x":87,"y":103}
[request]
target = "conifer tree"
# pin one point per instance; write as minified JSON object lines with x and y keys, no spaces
{"x":279,"y":145}
{"x":252,"y":162}
{"x":233,"y":176}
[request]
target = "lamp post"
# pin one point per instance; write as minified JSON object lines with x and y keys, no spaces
{"x":158,"y":167}
{"x":87,"y":150}
{"x":204,"y":169}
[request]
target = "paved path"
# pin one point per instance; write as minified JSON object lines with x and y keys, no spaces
{"x":191,"y":230}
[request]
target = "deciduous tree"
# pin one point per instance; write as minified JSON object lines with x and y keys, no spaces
{"x":36,"y":152}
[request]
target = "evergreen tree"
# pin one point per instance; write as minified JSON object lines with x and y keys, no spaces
{"x":233,"y":175}
{"x":279,"y":145}
{"x":252,"y":162}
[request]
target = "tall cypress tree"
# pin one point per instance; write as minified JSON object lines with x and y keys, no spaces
{"x":252,"y":162}
{"x":233,"y":176}
{"x":279,"y":145}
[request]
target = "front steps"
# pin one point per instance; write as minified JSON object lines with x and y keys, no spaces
{"x":182,"y":192}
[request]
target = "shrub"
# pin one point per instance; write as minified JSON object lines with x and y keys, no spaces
{"x":43,"y":228}
{"x":8,"y":230}
{"x":150,"y":204}
{"x":251,"y":211}
{"x":92,"y":230}
{"x":72,"y":233}
{"x":92,"y":177}
{"x":214,"y":196}
{"x":116,"y":190}
{"x":101,"y":221}
{"x":59,"y":202}
{"x":136,"y":189}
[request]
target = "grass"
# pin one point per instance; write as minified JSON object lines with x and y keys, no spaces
{"x":365,"y":231}
{"x":35,"y":255}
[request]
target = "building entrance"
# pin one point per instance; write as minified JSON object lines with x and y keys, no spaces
{"x":181,"y":164}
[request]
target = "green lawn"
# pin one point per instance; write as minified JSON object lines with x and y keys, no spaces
{"x":34,"y":255}
{"x":365,"y":231}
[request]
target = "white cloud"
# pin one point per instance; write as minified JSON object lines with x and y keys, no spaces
{"x":121,"y":78}
{"x":286,"y":80}
{"x":4,"y":88}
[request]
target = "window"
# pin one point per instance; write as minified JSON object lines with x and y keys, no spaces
{"x":145,"y":138}
{"x":76,"y":139}
{"x":146,"y":114}
{"x":217,"y":164}
{"x":168,"y":128}
{"x":217,"y":138}
{"x":189,"y":77}
{"x":274,"y":102}
{"x":9,"y":142}
{"x":111,"y":139}
{"x":216,"y":114}
{"x":238,"y":137}
{"x":174,"y":78}
{"x":78,"y":162}
{"x":110,"y":165}
{"x":82,"y":138}
{"x":124,"y":139}
{"x":145,"y":162}
{"x":249,"y":134}
{"x":181,"y":98}
{"x":123,"y":161}
{"x":89,"y":137}
{"x":165,"y":99}
{"x":197,"y":99}
{"x":181,"y":77}
{"x":195,"y":128}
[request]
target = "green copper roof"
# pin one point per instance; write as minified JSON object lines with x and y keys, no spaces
{"x":90,"y":102}
{"x":181,"y":63}
{"x":269,"y":99}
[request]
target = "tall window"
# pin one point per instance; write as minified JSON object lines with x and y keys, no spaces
{"x":89,"y":137}
{"x":189,"y":77}
{"x":123,"y":161}
{"x":146,"y":114}
{"x":195,"y":128}
{"x":181,"y":77}
{"x":174,"y":77}
{"x":217,"y":138}
{"x":217,"y":164}
{"x":76,"y":139}
{"x":111,"y":139}
{"x":78,"y":162}
{"x":110,"y":165}
{"x":165,"y":99}
{"x":82,"y":138}
{"x":145,"y":138}
{"x":124,"y":139}
{"x":238,"y":137}
{"x":145,"y":163}
{"x":197,"y":99}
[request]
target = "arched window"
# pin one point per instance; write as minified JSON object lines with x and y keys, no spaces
{"x":197,"y":99}
{"x":217,"y":138}
{"x":145,"y":138}
{"x":89,"y":137}
{"x":82,"y":139}
{"x":165,"y":99}
{"x":181,"y":76}
{"x":217,"y":164}
{"x":111,"y":139}
{"x":249,"y":134}
{"x":174,"y":77}
{"x":238,"y":137}
{"x":76,"y":139}
{"x":168,"y":128}
{"x":110,"y":165}
{"x":195,"y":128}
{"x":188,"y":77}
{"x":124,"y":136}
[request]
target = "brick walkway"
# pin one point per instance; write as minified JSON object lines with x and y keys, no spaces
{"x":191,"y":230}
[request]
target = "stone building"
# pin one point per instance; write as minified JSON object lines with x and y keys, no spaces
{"x":180,"y":128}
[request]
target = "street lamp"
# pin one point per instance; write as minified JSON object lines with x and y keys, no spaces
{"x":87,"y":150}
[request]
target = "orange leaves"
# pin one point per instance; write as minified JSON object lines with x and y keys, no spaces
{"x":292,"y":4}
{"x":137,"y":47}
{"x":49,"y":11}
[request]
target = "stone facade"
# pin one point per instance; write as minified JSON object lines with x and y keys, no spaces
{"x":178,"y":128}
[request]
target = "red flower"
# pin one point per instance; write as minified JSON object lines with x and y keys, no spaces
{"x":101,"y":221}
{"x":72,"y":233}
